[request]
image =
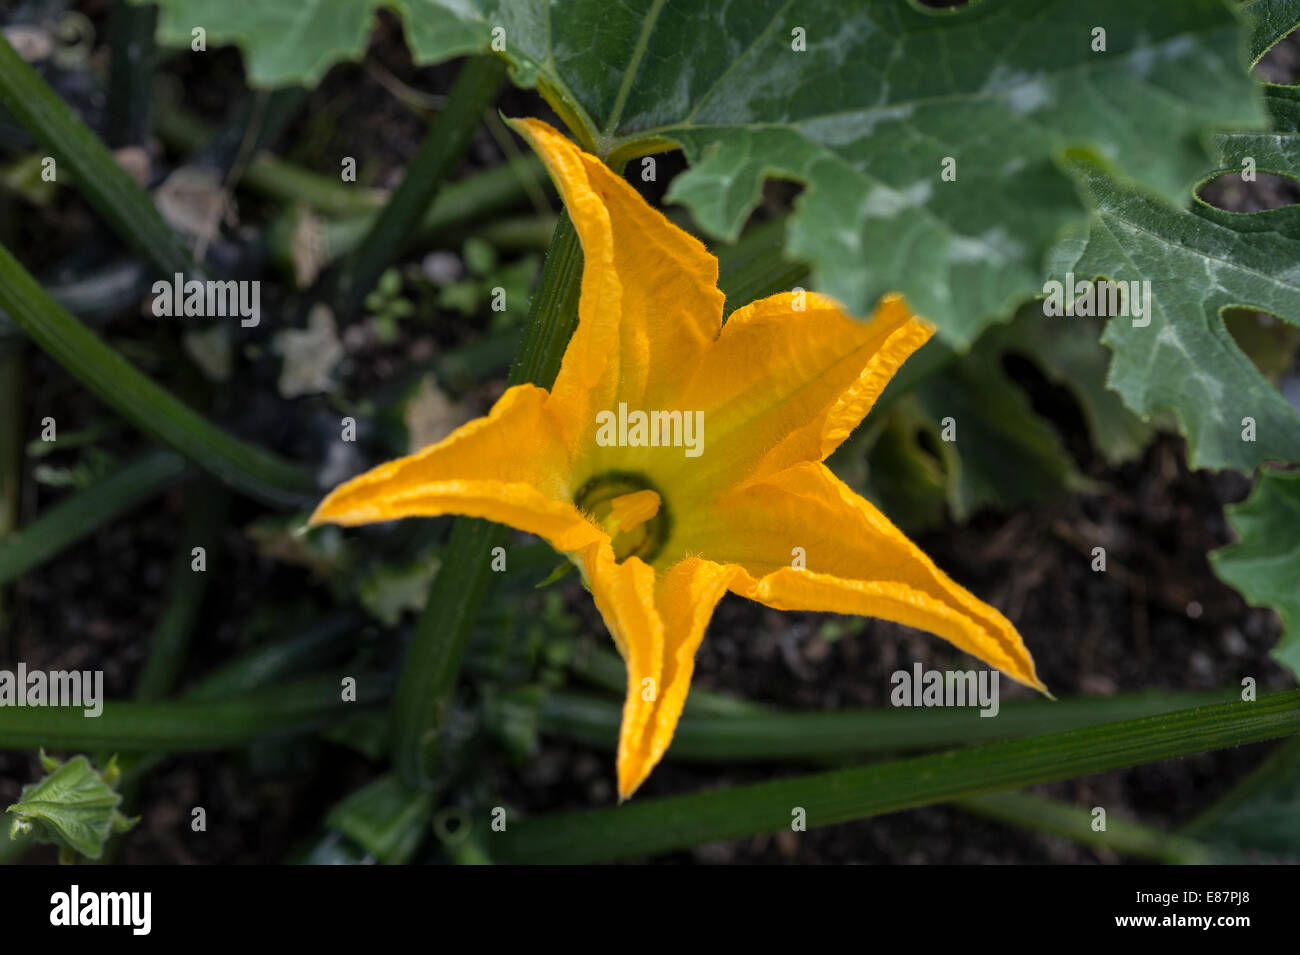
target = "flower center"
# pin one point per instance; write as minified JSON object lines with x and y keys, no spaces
{"x":630,"y":509}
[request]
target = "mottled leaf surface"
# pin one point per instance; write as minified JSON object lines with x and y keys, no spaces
{"x":1199,"y":261}
{"x":864,"y":116}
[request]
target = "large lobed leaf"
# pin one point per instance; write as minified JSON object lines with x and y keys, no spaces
{"x":1264,"y":564}
{"x":1270,"y":21}
{"x":865,"y":116}
{"x":1181,"y":358}
{"x":1202,"y":262}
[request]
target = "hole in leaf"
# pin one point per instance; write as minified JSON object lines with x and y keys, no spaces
{"x":1231,"y":193}
{"x":1270,"y":343}
{"x":1281,"y":64}
{"x":926,"y":441}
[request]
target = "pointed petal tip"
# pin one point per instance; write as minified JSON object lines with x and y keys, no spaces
{"x":321,"y":515}
{"x":1032,"y":681}
{"x":630,"y":779}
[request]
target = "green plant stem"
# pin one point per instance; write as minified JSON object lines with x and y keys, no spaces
{"x":140,"y":400}
{"x":437,"y":650}
{"x":1075,"y":823}
{"x":189,"y":725}
{"x":480,"y":194}
{"x":553,"y":314}
{"x":432,"y":665}
{"x":106,"y":186}
{"x":517,"y":232}
{"x":457,"y":214}
{"x":653,"y":826}
{"x":259,"y":121}
{"x":85,"y":510}
{"x":268,"y":175}
{"x":132,"y":57}
{"x":475,"y":88}
{"x":712,"y":735}
{"x":171,"y":636}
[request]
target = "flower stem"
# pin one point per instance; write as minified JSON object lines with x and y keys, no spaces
{"x":433,"y":663}
{"x":130,"y":72}
{"x":446,"y":142}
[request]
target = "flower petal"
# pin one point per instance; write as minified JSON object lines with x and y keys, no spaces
{"x":650,"y":304}
{"x":657,"y":625}
{"x":686,"y":597}
{"x":781,"y":386}
{"x":511,"y":467}
{"x":625,"y":596}
{"x":856,"y":562}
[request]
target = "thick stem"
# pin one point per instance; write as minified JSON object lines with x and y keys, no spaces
{"x":433,"y":663}
{"x":449,"y":137}
{"x":130,"y":73}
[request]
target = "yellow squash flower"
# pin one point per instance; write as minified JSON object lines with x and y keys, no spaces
{"x":677,"y":458}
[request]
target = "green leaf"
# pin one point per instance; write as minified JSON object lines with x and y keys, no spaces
{"x":1001,"y":453}
{"x":906,"y":472}
{"x":1199,"y":261}
{"x":998,"y":450}
{"x":73,"y":807}
{"x":1270,"y":21}
{"x":865,"y":116}
{"x":653,"y":826}
{"x":1264,"y":564}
